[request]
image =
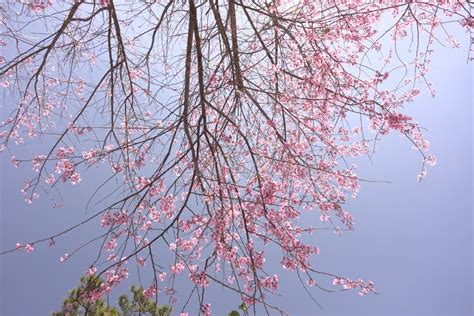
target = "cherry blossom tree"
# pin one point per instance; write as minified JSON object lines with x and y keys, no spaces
{"x":216,"y":125}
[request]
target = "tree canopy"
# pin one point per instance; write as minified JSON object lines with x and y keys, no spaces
{"x":213,"y":131}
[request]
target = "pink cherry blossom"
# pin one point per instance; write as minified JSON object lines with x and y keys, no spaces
{"x":64,"y":257}
{"x":162,"y":276}
{"x":213,"y":135}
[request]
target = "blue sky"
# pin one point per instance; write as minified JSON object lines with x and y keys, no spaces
{"x":414,"y":240}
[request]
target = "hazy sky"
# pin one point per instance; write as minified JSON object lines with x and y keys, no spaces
{"x":414,"y":240}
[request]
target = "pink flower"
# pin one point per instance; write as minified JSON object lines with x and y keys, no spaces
{"x":271,"y":283}
{"x":206,"y":309}
{"x":64,"y":257}
{"x":162,"y":276}
{"x":178,"y":268}
{"x":199,"y":279}
{"x":134,"y":74}
{"x":75,"y":178}
{"x":142,"y":182}
{"x":29,"y":248}
{"x":311,"y":283}
{"x":150,"y":292}
{"x":38,"y":162}
{"x":50,"y":179}
{"x":91,"y":271}
{"x":110,"y":245}
{"x":324,"y":217}
{"x":431,"y":160}
{"x":167,"y":205}
{"x":15,"y":161}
